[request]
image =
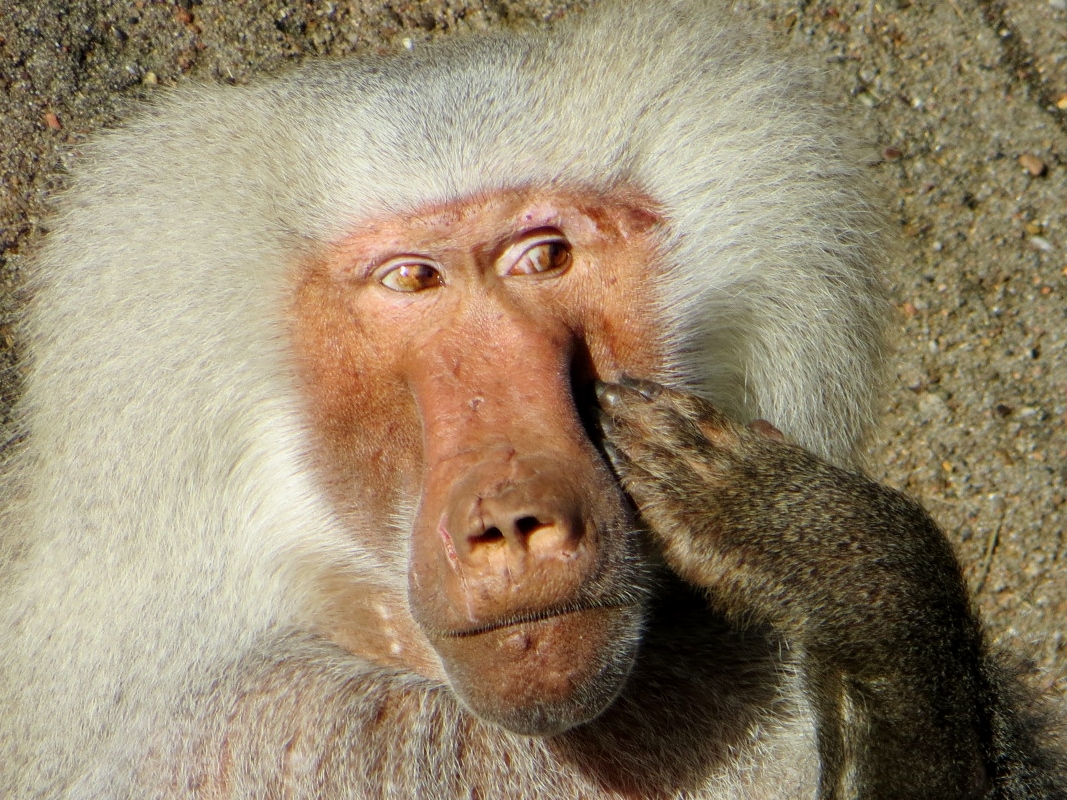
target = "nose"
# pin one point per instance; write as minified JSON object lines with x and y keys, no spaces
{"x":508,"y":519}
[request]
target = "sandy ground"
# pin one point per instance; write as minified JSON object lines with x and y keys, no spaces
{"x":966,"y":98}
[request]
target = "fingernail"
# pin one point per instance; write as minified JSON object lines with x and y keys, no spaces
{"x":607,"y":424}
{"x":606,"y":393}
{"x":614,"y":455}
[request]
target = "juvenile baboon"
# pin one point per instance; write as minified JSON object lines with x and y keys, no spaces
{"x":855,"y":577}
{"x":316,"y":500}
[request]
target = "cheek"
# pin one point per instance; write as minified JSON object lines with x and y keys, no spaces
{"x":364,"y":428}
{"x":621,"y":321}
{"x":627,"y":344}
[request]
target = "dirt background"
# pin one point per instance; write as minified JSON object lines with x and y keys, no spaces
{"x":966,"y":98}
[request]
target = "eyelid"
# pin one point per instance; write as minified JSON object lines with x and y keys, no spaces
{"x":382,"y":267}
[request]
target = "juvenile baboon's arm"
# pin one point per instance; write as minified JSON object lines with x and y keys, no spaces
{"x":855,"y":577}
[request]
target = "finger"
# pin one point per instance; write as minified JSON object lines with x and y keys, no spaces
{"x":605,"y":422}
{"x":612,"y":396}
{"x":646,"y":388}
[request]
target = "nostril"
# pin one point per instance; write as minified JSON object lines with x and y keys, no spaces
{"x":519,"y":532}
{"x":527,"y":525}
{"x":488,"y":536}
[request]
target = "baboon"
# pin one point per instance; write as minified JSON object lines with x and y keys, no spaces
{"x":337,"y":482}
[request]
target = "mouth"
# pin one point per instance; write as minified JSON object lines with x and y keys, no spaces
{"x":530,"y":617}
{"x":543,"y":671}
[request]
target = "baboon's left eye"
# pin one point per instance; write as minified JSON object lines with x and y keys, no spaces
{"x":544,"y":256}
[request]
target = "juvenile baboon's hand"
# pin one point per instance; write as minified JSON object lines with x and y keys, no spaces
{"x":693,"y":473}
{"x":667,"y":445}
{"x":771,"y":530}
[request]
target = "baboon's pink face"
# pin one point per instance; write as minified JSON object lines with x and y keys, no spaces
{"x":446,"y":354}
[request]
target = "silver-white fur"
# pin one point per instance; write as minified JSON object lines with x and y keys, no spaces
{"x":159,"y":523}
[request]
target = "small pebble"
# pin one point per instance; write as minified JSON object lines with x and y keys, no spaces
{"x":1034,"y":165}
{"x":52,"y":121}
